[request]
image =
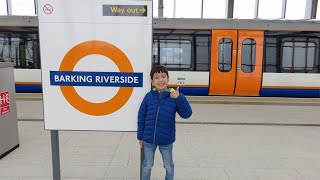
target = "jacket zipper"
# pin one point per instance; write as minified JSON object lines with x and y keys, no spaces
{"x":155,"y":125}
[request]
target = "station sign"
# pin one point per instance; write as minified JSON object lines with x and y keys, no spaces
{"x":96,"y":60}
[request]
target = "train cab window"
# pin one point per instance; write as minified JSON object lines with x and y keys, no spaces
{"x":298,"y":56}
{"x":225,"y":55}
{"x":248,"y":56}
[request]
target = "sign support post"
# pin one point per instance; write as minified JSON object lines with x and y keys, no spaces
{"x":55,"y":155}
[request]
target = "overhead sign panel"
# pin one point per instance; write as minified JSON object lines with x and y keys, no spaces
{"x":96,"y":60}
{"x":125,"y":10}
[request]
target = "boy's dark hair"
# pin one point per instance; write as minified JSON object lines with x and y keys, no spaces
{"x":158,"y":69}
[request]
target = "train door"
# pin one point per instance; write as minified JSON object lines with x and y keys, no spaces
{"x":236,"y":62}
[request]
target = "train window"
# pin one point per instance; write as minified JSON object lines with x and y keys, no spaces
{"x":225,"y":55}
{"x":201,"y":62}
{"x":4,"y":50}
{"x":248,"y":56}
{"x":293,"y":52}
{"x":21,"y":49}
{"x":298,"y":56}
{"x":271,"y":55}
{"x":174,"y":54}
{"x":182,"y":50}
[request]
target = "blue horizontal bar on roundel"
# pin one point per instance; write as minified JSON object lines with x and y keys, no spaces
{"x":85,"y":78}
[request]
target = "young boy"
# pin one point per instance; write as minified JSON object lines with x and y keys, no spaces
{"x":156,"y":121}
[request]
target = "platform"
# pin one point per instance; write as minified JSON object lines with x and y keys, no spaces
{"x":220,"y":141}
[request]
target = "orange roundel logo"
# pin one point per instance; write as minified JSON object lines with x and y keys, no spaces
{"x":105,"y":49}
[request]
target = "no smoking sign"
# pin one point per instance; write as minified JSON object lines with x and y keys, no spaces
{"x":48,"y":9}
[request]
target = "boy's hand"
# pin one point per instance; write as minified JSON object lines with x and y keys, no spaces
{"x":141,"y":144}
{"x":175,"y":93}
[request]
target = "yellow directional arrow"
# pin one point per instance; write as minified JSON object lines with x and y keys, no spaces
{"x":142,"y":10}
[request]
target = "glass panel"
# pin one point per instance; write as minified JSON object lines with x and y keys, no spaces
{"x":295,"y":9}
{"x":214,"y":9}
{"x":3,"y":7}
{"x":287,"y":55}
{"x":270,"y":55}
{"x":168,"y":9}
{"x":298,"y":56}
{"x":225,"y":55}
{"x":175,"y":53}
{"x":23,"y":7}
{"x":21,"y":49}
{"x":244,"y":9}
{"x":155,"y":8}
{"x":188,"y":8}
{"x":311,"y":52}
{"x":203,"y":53}
{"x":155,"y":55}
{"x":4,"y":49}
{"x":248,"y":56}
{"x":267,"y":6}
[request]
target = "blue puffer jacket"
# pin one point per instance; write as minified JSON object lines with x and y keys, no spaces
{"x":157,"y":117}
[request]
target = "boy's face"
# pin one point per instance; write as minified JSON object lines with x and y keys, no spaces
{"x":160,"y":80}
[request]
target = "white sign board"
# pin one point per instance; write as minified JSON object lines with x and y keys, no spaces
{"x":96,"y":59}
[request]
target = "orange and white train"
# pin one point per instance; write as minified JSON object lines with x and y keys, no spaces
{"x":204,"y":56}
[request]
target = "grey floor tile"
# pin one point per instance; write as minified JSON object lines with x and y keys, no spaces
{"x":116,"y":172}
{"x":26,"y":170}
{"x":77,"y":171}
{"x":263,"y":174}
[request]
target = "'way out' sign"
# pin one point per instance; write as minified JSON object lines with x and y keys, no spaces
{"x":96,"y":59}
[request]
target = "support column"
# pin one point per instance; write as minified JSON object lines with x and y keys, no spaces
{"x":9,"y":7}
{"x":256,"y":10}
{"x":36,"y":7}
{"x":284,"y":8}
{"x":201,"y":9}
{"x":229,"y":8}
{"x":311,"y":9}
{"x":160,"y":8}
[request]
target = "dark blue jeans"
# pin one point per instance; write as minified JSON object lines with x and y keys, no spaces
{"x":166,"y":153}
